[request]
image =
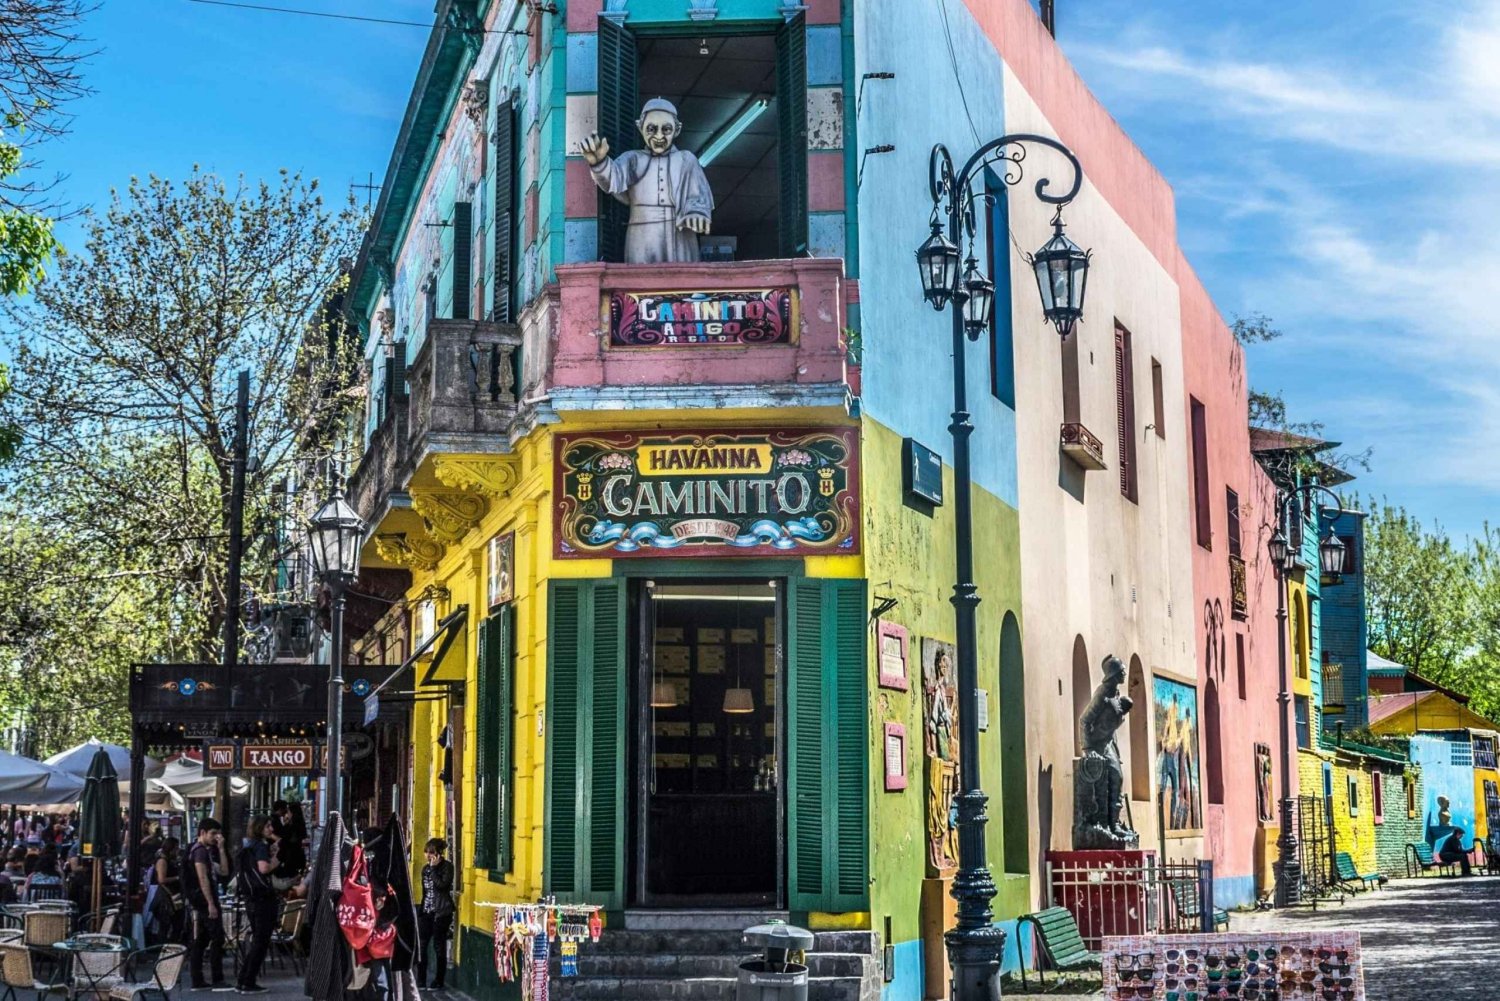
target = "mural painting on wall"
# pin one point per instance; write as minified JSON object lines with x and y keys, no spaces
{"x":1265,"y":804}
{"x":1177,"y":771}
{"x":779,"y":492}
{"x":940,"y":744}
{"x":677,"y":319}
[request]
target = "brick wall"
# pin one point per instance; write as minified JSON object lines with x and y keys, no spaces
{"x":1399,"y":830}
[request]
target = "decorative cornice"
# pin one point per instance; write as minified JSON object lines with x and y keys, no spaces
{"x":477,"y":102}
{"x":491,"y":478}
{"x":449,"y":514}
{"x":414,"y":554}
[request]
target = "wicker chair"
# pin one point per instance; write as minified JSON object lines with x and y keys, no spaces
{"x":166,"y":968}
{"x":17,"y":971}
{"x":96,"y":972}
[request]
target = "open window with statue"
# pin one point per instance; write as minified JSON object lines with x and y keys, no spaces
{"x":701,"y":152}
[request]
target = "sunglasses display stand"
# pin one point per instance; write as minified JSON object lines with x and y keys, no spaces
{"x":1253,"y":966}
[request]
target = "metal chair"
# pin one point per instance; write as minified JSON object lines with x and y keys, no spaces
{"x":100,"y":970}
{"x":166,"y":968}
{"x":284,"y":940}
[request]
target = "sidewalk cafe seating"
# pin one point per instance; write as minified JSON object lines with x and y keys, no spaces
{"x":284,"y":938}
{"x":1343,"y":867}
{"x":162,"y":965}
{"x":1189,"y":907}
{"x":96,"y":972}
{"x":18,"y":974}
{"x":1420,"y":859}
{"x":1059,"y":941}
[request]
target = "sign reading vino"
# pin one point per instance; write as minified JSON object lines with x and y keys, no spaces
{"x":784,"y":492}
{"x":681,"y":319}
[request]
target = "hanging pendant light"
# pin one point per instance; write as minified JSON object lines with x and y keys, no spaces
{"x":663,"y":695}
{"x":738,"y":699}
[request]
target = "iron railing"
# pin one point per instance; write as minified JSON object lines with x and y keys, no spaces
{"x":1143,"y":899}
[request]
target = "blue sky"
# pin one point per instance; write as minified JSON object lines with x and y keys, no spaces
{"x":1334,"y":168}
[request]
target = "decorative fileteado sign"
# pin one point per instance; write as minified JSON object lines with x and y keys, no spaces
{"x":783,"y":492}
{"x":717,"y":317}
{"x":276,"y":757}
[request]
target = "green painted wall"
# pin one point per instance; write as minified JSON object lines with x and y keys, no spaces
{"x":909,"y":555}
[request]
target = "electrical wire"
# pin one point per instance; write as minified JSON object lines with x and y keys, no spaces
{"x":953,"y":61}
{"x":342,"y":17}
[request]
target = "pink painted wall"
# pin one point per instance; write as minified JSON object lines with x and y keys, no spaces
{"x":580,"y":357}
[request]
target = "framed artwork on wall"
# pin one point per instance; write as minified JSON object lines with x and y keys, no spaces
{"x":891,"y":646}
{"x":895,"y":757}
{"x":1178,"y":775}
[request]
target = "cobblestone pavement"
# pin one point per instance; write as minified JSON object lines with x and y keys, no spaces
{"x":1429,"y":939}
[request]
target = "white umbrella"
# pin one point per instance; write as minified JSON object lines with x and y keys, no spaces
{"x":75,"y":760}
{"x":185,"y":778}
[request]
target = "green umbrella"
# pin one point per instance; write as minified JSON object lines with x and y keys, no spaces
{"x":99,"y":816}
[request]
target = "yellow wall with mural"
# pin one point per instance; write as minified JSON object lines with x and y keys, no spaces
{"x":526,"y":509}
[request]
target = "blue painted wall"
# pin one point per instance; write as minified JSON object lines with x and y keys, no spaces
{"x":1447,"y":770}
{"x":1344,"y":629}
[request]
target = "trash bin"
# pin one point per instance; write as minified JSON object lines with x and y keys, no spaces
{"x":775,"y":977}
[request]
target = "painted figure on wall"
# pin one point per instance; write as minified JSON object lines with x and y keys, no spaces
{"x":671,"y":204}
{"x":1177,"y":772}
{"x":940,"y":741}
{"x":1098,"y":777}
{"x":1264,"y":799}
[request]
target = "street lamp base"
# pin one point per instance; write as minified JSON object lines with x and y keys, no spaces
{"x":974,"y":956}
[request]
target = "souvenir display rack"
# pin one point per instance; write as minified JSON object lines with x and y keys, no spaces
{"x":524,"y":935}
{"x":1249,"y":966}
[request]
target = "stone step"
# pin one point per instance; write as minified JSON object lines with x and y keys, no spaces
{"x":701,"y":919}
{"x":699,"y":989}
{"x":695,"y":965}
{"x":638,"y":941}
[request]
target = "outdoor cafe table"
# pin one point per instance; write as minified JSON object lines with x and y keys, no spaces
{"x":93,"y":981}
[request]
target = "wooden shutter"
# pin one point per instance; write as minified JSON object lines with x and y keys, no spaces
{"x":484,"y":772}
{"x":618,"y":107}
{"x":463,"y":258}
{"x":585,"y":741}
{"x":828,"y":750}
{"x":1198,"y":418}
{"x":503,"y":727}
{"x":791,"y":104}
{"x":505,"y":207}
{"x":1125,"y":411}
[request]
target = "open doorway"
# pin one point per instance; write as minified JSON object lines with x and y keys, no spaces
{"x":708,"y":814}
{"x":741,"y":95}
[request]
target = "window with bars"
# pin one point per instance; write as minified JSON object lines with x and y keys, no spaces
{"x":1484,"y":752}
{"x":1125,"y":413}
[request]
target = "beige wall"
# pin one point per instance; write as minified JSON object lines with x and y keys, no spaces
{"x":1094,"y":564}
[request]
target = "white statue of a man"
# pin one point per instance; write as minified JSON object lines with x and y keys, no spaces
{"x":668,"y":194}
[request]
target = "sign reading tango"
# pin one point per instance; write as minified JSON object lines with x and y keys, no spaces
{"x":706,"y":493}
{"x":276,"y":757}
{"x":675,"y":319}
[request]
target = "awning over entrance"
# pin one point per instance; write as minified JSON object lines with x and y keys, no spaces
{"x":448,"y":660}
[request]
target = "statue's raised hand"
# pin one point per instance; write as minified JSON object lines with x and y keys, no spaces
{"x":594,"y":149}
{"x":694,"y":224}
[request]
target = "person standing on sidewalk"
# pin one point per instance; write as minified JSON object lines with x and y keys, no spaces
{"x":253,"y":884}
{"x":435,"y":918}
{"x":208,"y":862}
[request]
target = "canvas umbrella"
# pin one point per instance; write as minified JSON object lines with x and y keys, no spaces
{"x":99,"y":817}
{"x":78,"y":760}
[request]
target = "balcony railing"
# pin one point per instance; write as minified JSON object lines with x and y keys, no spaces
{"x":461,"y":397}
{"x":1080,"y":445}
{"x":1239,"y":597}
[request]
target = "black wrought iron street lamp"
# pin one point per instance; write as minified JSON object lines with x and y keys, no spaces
{"x":975,"y":945}
{"x":335,"y":534}
{"x":1331,"y":565}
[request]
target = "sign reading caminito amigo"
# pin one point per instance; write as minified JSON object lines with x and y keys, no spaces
{"x":276,"y":757}
{"x":783,"y":492}
{"x":681,"y":319}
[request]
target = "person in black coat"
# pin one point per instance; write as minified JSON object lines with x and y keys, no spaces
{"x":435,"y":915}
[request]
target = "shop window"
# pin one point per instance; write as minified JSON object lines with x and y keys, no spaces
{"x":1203,"y":520}
{"x":1125,"y":413}
{"x":742,"y":99}
{"x":1213,"y":743}
{"x":1377,"y":796}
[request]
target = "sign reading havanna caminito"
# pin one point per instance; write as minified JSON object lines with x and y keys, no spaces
{"x":682,"y":319}
{"x":781,"y":492}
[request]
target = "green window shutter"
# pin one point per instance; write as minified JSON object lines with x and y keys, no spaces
{"x":503,"y":630}
{"x":828,"y":746}
{"x":791,"y":103}
{"x":505,"y":202}
{"x":618,"y":106}
{"x":483,"y":769}
{"x":585,"y":741}
{"x":463,"y":259}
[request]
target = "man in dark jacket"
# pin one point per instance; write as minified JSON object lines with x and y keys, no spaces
{"x":435,"y":917}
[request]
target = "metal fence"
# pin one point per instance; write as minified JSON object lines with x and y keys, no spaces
{"x":1315,"y":848}
{"x":1133,"y":899}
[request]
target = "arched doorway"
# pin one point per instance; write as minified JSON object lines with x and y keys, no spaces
{"x":1015,"y":798}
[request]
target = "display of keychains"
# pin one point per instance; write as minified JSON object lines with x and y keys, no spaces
{"x":1266,"y":966}
{"x":523,"y":938}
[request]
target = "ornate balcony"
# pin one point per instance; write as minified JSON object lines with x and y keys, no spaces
{"x":461,"y":400}
{"x":1239,"y":598}
{"x":1079,"y":444}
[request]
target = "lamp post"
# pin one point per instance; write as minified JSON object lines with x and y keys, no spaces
{"x":975,"y":945}
{"x":1330,"y":563}
{"x":335,"y":534}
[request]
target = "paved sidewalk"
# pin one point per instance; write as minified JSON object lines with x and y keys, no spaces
{"x":282,"y":985}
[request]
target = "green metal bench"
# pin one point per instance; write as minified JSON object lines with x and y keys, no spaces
{"x":1058,"y":940}
{"x":1190,"y":908}
{"x":1419,"y":859}
{"x":1343,"y":867}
